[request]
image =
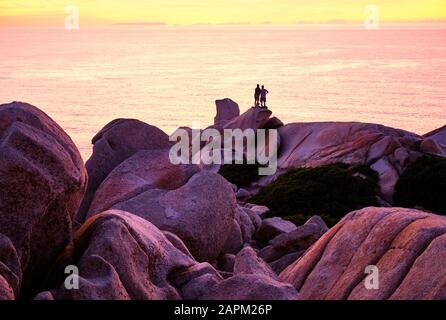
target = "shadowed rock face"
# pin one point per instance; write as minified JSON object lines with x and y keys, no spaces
{"x":435,"y":142}
{"x":116,"y":142}
{"x":388,"y":151}
{"x":42,"y":182}
{"x":227,"y":110}
{"x":406,"y":245}
{"x":439,"y":135}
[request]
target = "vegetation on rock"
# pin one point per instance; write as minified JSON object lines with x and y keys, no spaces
{"x":423,"y":184}
{"x":241,"y":175}
{"x":330,"y":191}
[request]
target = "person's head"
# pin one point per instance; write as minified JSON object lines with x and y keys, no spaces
{"x":258,"y":86}
{"x":263,"y":87}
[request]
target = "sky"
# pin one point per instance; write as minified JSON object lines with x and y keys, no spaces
{"x":104,"y":12}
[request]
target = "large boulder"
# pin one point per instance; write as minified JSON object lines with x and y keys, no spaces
{"x":42,"y":182}
{"x":120,"y":257}
{"x":116,"y":142}
{"x":145,"y":170}
{"x":387,"y":150}
{"x":405,"y":245}
{"x":253,"y":118}
{"x":201,"y":212}
{"x":227,"y":110}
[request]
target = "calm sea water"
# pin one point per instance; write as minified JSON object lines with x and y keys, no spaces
{"x":170,"y":76}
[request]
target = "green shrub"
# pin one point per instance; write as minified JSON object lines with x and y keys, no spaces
{"x":241,"y":175}
{"x":330,"y":191}
{"x":423,"y":184}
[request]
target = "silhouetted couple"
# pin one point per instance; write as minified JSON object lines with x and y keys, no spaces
{"x":260,"y":96}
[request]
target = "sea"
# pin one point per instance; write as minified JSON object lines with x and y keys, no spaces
{"x":170,"y":76}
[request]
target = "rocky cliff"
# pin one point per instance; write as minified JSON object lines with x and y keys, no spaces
{"x":142,"y":228}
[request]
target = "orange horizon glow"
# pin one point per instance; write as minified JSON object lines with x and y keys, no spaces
{"x":183,"y":12}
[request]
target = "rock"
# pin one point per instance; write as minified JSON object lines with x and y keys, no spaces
{"x":388,"y":177}
{"x":272,"y":227}
{"x":269,"y":253}
{"x":227,"y":110}
{"x":42,"y":182}
{"x":199,"y":286}
{"x":201,"y":212}
{"x":121,"y":256}
{"x":382,"y":148}
{"x":234,"y":241}
{"x":301,"y":238}
{"x":197,"y":270}
{"x":116,"y":142}
{"x":6,"y":291}
{"x":196,"y":280}
{"x":426,"y":280}
{"x":254,"y":118}
{"x":243,"y":194}
{"x":438,"y":135}
{"x":177,"y":242}
{"x":282,"y":263}
{"x":10,"y":270}
{"x":247,"y":225}
{"x":226,"y":262}
{"x":248,"y":262}
{"x":273,"y":123}
{"x":255,"y":219}
{"x":401,"y":243}
{"x":431,"y":146}
{"x":145,"y":170}
{"x":317,"y":144}
{"x":251,"y":287}
{"x":261,"y":211}
{"x":44,"y":296}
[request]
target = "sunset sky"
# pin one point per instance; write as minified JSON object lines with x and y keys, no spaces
{"x":98,"y":12}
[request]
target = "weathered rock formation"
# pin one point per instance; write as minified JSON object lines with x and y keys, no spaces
{"x":227,"y":110}
{"x":42,"y":182}
{"x":116,"y":142}
{"x":388,"y":151}
{"x":198,"y":206}
{"x":406,"y":245}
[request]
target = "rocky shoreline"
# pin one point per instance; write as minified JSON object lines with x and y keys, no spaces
{"x":136,"y":226}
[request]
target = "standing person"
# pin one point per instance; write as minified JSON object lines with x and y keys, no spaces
{"x":257,"y":96}
{"x":263,"y":94}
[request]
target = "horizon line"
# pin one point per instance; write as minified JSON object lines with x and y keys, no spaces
{"x":298,"y":23}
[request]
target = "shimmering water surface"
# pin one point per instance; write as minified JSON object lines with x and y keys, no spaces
{"x":170,"y":76}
